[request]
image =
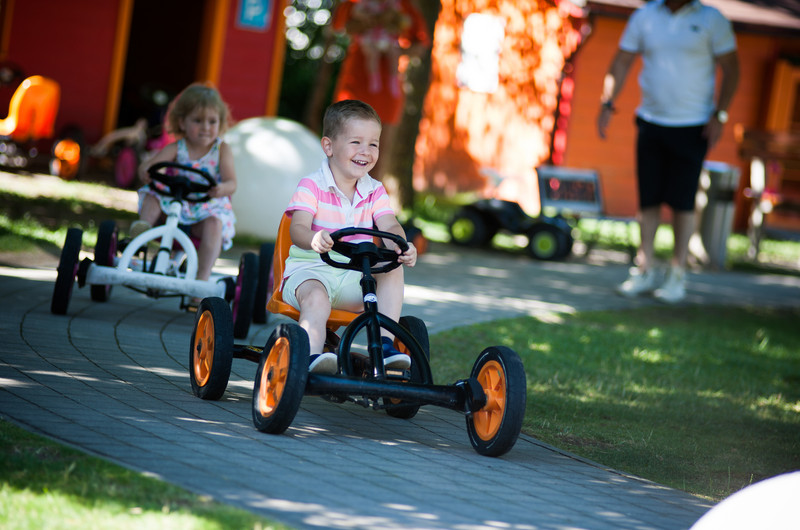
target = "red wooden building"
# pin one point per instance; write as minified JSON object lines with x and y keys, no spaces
{"x":111,"y":56}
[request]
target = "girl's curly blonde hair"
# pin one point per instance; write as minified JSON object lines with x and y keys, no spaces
{"x":197,"y":95}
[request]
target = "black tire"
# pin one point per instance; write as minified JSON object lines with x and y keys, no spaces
{"x":211,"y":349}
{"x":280,"y":379}
{"x":417,"y":328}
{"x":470,"y":228}
{"x":104,"y":253}
{"x":548,"y":242}
{"x":244,"y":294}
{"x":264,"y":285}
{"x":126,"y":164}
{"x":494,"y":429}
{"x":68,"y":265}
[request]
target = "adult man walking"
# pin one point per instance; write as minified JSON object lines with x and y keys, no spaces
{"x":680,"y":117}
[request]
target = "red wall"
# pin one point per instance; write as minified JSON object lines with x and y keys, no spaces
{"x":247,"y":63}
{"x":70,"y":42}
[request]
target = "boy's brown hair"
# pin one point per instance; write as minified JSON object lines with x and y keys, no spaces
{"x":340,"y":112}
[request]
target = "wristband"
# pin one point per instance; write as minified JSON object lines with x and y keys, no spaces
{"x":609,"y":105}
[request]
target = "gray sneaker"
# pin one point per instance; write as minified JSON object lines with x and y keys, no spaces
{"x":638,"y":283}
{"x":674,"y":288}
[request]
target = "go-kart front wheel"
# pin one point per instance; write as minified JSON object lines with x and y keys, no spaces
{"x":104,"y":253}
{"x":244,"y":294}
{"x":67,"y":270}
{"x":211,"y":356}
{"x":494,"y":429}
{"x":280,"y":379}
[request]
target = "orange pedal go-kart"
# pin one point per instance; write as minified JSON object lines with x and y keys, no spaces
{"x":492,"y":399}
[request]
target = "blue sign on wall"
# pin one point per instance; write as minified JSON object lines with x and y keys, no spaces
{"x":254,"y":14}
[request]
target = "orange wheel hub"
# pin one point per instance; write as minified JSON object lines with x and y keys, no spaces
{"x":487,"y":420}
{"x":273,"y":377}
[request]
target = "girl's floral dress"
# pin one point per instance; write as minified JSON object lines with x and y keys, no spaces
{"x":194,"y":212}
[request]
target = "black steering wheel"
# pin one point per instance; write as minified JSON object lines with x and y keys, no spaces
{"x":180,"y":186}
{"x":357,"y":252}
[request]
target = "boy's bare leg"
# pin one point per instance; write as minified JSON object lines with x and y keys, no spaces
{"x":315,"y":308}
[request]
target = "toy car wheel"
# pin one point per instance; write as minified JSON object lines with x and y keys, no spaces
{"x":280,"y":379}
{"x":469,"y":228}
{"x":212,"y":349}
{"x":67,"y":270}
{"x":244,"y":294}
{"x":264,"y":284}
{"x":126,"y":164}
{"x":396,"y":407}
{"x":494,"y":428}
{"x":548,"y":242}
{"x":104,"y":253}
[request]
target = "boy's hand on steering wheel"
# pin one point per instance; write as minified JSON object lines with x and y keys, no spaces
{"x":321,"y":242}
{"x":409,"y":257}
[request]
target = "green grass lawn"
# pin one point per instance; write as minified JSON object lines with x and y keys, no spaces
{"x":46,"y":485}
{"x":703,"y":399}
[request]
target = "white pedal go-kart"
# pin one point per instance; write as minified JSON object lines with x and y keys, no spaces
{"x":171,"y":271}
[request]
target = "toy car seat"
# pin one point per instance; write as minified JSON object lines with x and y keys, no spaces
{"x":32,"y":111}
{"x":338,"y":317}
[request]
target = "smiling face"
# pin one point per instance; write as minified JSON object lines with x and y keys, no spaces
{"x":201,"y":127}
{"x":353,"y":151}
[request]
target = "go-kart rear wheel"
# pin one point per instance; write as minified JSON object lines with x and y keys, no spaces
{"x":494,"y":429}
{"x":126,"y":165}
{"x":396,"y":407}
{"x":104,"y":253}
{"x":264,"y":284}
{"x":211,"y":355}
{"x":469,"y":228}
{"x":280,"y":379}
{"x":244,"y":294}
{"x":67,"y":270}
{"x":548,"y":242}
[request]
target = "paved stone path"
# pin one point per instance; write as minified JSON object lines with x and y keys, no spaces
{"x":112,"y":379}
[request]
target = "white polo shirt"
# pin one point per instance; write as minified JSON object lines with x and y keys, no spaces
{"x":678,"y":51}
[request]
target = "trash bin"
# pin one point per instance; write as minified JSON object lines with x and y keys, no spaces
{"x":719,"y":182}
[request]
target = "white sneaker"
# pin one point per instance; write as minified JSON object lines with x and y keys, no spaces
{"x":674,"y":288}
{"x":638,"y":283}
{"x":323,"y":363}
{"x":139,"y":227}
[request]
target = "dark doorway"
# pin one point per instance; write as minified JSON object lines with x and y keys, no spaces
{"x":162,"y":57}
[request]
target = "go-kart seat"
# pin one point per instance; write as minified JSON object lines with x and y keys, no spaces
{"x":338,"y":317}
{"x":32,"y":111}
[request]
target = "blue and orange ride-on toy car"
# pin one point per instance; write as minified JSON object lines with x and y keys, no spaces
{"x":492,"y":399}
{"x":172,"y":271}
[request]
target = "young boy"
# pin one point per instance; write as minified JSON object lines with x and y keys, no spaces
{"x":341,"y":194}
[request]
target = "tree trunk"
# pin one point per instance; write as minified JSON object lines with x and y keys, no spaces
{"x":399,"y":172}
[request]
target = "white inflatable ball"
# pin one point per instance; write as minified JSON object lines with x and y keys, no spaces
{"x":271,"y":155}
